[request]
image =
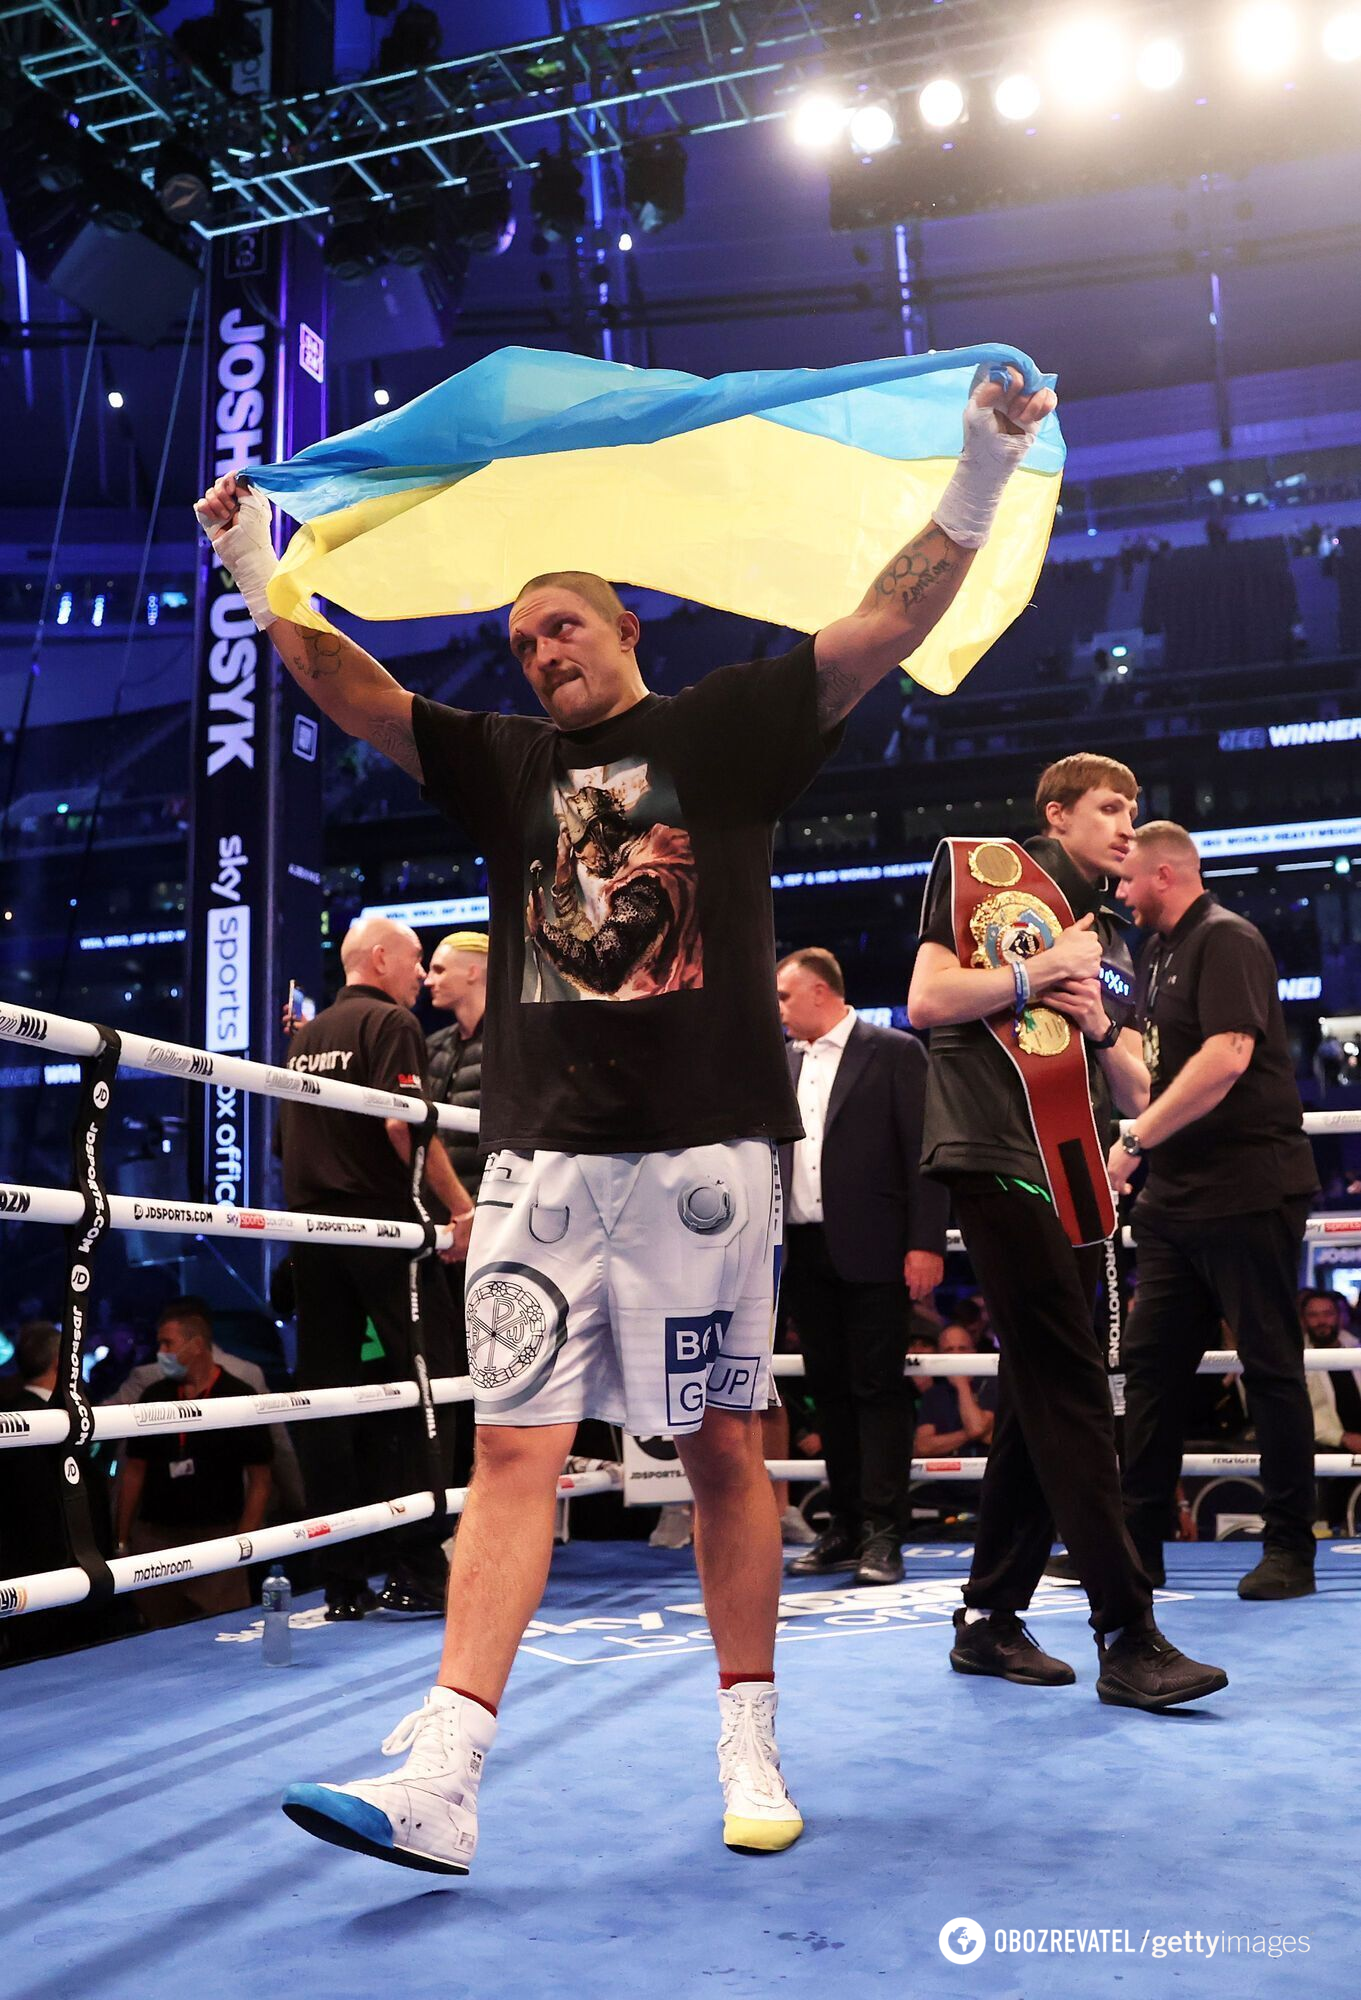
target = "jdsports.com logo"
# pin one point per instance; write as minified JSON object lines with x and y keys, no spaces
{"x":962,"y":1940}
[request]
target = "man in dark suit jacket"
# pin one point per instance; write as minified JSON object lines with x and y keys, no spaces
{"x":865,"y":1235}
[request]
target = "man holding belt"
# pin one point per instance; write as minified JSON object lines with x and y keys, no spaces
{"x":865,"y":1236}
{"x":353,"y":1301}
{"x":1218,"y":1227}
{"x":1024,"y":1066}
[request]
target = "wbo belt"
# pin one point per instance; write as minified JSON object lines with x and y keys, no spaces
{"x":1007,"y":910}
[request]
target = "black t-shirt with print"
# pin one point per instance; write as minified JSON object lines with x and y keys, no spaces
{"x":631,"y":993}
{"x":1215,"y":975}
{"x":976,"y":1119}
{"x":196,"y":1479}
{"x":338,"y":1162}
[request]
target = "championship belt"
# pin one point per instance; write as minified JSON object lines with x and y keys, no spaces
{"x":1007,"y":910}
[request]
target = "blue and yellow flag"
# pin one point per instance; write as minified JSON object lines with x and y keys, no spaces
{"x":778,"y":495}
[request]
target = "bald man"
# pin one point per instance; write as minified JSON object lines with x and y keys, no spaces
{"x":354,"y":1315}
{"x":1219,"y":1224}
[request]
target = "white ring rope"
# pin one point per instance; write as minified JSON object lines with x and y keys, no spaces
{"x":51,"y":1588}
{"x":229,"y":1413}
{"x":1214,"y":1361}
{"x":1195,"y":1465}
{"x":80,"y":1038}
{"x":22,"y":1203}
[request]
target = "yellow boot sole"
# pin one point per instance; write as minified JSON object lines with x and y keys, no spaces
{"x":760,"y":1836}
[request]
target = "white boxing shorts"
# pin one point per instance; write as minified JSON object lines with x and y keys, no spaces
{"x":634,"y":1287}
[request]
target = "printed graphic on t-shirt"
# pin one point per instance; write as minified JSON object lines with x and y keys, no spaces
{"x":611,"y":907}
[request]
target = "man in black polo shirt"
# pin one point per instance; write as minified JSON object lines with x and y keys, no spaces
{"x":353,"y":1302}
{"x":1219,"y":1224}
{"x":457,"y":985}
{"x":191,"y":1486}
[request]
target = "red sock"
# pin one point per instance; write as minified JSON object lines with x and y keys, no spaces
{"x":731,"y":1680}
{"x":468,"y":1695}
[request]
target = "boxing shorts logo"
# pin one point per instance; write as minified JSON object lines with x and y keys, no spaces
{"x":692,"y":1345}
{"x":517,"y":1323}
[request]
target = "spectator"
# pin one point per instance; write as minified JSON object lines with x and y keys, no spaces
{"x":955,"y":1416}
{"x":1335,"y":1397}
{"x":191,"y":1486}
{"x":287,"y":1501}
{"x":865,"y":1236}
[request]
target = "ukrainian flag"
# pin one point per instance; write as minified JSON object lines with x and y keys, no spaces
{"x":778,"y":495}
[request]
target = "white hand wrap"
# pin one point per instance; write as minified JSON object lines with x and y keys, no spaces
{"x":246,"y":552}
{"x":969,"y":504}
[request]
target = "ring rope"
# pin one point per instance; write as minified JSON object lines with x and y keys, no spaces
{"x":49,"y":1589}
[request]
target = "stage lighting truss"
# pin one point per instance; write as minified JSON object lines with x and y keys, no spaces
{"x":679,"y":72}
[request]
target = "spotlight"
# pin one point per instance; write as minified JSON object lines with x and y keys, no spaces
{"x":1160,"y":64}
{"x":1265,"y":37}
{"x":817,"y":121}
{"x":410,"y":231}
{"x":353,"y":247}
{"x":1086,"y":61}
{"x":654,"y":182}
{"x":872,"y":126}
{"x":556,"y":198}
{"x":413,"y":40}
{"x":626,"y":242}
{"x":1342,"y":36}
{"x":1017,"y":98}
{"x":115,"y":399}
{"x":485,"y":222}
{"x":941,"y":103}
{"x":381,"y":397}
{"x":182,"y":179}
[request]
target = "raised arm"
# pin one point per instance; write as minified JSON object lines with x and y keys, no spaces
{"x":911,"y":595}
{"x":346,"y":683}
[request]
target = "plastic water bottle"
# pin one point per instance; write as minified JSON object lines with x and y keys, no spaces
{"x":276,"y":1601}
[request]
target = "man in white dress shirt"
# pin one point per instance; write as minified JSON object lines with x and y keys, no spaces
{"x":865,"y":1235}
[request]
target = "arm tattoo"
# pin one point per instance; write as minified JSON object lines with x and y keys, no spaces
{"x":916,"y":570}
{"x":904,"y":602}
{"x":838,"y":692}
{"x":322,"y":651}
{"x":397,"y":740}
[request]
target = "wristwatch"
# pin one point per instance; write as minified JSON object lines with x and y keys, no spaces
{"x":1109,"y":1039}
{"x":1131,"y":1143}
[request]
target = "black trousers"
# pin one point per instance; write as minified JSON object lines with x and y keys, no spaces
{"x":1193,"y":1274}
{"x":354,"y":1327}
{"x":854,"y":1342}
{"x":1053,"y":1447}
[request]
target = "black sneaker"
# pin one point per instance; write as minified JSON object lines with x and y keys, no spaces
{"x":1142,"y":1669}
{"x":344,"y":1607}
{"x":881,"y":1559}
{"x":411,"y":1600}
{"x":835,"y":1549}
{"x":1280,"y":1573}
{"x":999,"y":1645}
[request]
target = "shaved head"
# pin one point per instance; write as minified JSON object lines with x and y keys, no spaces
{"x":377,"y":951}
{"x":583,"y":583}
{"x":1161,"y":875}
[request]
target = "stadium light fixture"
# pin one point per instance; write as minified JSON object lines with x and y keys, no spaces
{"x":1266,"y":37}
{"x":817,"y":121}
{"x":872,"y":126}
{"x":941,"y":103}
{"x":1017,"y":97}
{"x":1086,"y":62}
{"x":1342,"y":36}
{"x":1160,"y":64}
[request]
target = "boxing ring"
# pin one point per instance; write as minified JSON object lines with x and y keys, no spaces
{"x":140,"y":1810}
